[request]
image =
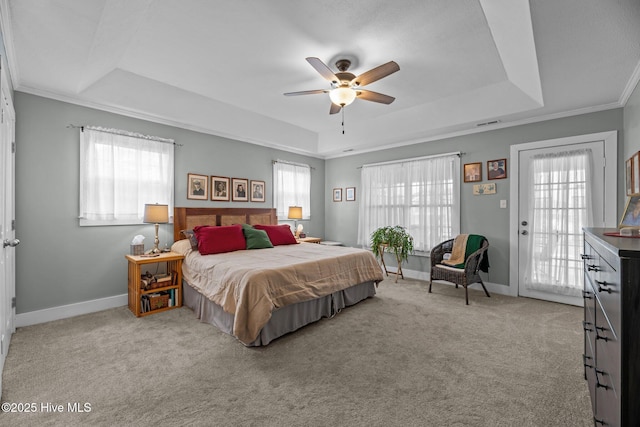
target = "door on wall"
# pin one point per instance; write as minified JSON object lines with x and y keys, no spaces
{"x":562,"y":187}
{"x":7,"y":222}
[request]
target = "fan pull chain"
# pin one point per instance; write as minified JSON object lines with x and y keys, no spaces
{"x":342,"y":120}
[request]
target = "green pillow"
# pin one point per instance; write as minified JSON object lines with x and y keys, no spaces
{"x":256,"y":239}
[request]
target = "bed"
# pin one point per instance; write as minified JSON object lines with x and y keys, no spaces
{"x":258,"y":295}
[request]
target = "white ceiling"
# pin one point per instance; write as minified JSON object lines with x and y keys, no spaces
{"x":221,"y":67}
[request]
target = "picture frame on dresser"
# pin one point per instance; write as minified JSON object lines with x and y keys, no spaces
{"x":220,"y":188}
{"x":629,"y":176}
{"x":636,"y":173}
{"x":631,"y":214}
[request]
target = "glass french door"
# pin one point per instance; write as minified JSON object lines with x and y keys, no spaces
{"x":561,"y":189}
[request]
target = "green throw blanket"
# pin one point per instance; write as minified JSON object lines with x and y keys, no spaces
{"x":463,"y":246}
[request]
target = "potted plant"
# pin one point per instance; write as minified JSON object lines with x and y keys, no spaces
{"x":394,"y":239}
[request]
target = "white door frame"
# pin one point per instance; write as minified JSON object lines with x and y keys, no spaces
{"x":610,"y":182}
{"x":7,"y":231}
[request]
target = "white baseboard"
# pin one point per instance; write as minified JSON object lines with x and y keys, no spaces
{"x":422,"y":275}
{"x":70,"y":310}
{"x":86,"y":307}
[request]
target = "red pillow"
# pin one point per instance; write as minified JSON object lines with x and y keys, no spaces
{"x":278,"y":234}
{"x":216,"y":240}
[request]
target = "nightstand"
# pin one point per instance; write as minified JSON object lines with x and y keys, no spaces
{"x":310,"y":240}
{"x":158,"y":296}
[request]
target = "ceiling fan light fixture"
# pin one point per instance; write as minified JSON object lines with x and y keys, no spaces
{"x":342,"y":96}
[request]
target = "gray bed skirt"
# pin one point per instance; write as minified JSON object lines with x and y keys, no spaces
{"x":283,"y":320}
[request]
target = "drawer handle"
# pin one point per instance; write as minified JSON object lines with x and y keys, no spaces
{"x":598,"y":383}
{"x":585,"y":256}
{"x":597,"y":421}
{"x":601,"y":337}
{"x":591,"y":267}
{"x":585,"y":326}
{"x":602,"y":283}
{"x":584,"y":361}
{"x":587,"y":295}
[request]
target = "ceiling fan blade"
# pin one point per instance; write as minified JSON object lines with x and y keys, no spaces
{"x":335,"y":109}
{"x":306,"y":92}
{"x":322,"y":68}
{"x":375,"y":74}
{"x":368,"y":95}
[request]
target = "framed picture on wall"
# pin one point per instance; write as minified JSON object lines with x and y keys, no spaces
{"x":337,"y":194}
{"x":239,"y":190}
{"x":257,"y":191}
{"x":497,"y":169}
{"x":197,"y":186}
{"x":350,"y":194}
{"x":220,"y":188}
{"x":472,"y":172}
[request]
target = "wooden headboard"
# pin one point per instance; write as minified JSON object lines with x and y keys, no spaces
{"x":187,"y":218}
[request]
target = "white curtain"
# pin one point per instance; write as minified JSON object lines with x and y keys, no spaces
{"x":561,"y":205}
{"x":421,"y":195}
{"x":120,"y":172}
{"x":291,"y":187}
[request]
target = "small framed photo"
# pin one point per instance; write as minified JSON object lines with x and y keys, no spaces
{"x":257,"y":191}
{"x":220,"y":188}
{"x":350,"y":194}
{"x":239,"y":190}
{"x":631,"y":214}
{"x":337,"y":194}
{"x":497,"y":169}
{"x":480,"y":189}
{"x":472,"y":172}
{"x":635,"y":176}
{"x":629,"y":175}
{"x":197,"y":186}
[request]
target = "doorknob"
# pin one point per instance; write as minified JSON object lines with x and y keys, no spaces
{"x":524,"y":223}
{"x":524,"y":232}
{"x":12,"y":243}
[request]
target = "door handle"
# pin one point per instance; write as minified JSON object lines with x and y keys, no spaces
{"x":524,"y":232}
{"x":13,"y":243}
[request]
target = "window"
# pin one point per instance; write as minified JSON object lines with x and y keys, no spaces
{"x":291,"y":187}
{"x":120,"y":172}
{"x":421,"y":195}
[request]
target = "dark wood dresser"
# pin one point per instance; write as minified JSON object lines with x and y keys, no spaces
{"x":612,"y":326}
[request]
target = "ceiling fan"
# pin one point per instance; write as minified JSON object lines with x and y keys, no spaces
{"x":345,"y":86}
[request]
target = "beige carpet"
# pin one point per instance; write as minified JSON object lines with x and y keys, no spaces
{"x":403,"y":358}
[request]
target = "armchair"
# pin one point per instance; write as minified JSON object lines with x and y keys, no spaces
{"x":465,"y":276}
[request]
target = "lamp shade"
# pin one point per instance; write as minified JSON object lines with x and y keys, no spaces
{"x":156,"y":214}
{"x":295,"y":212}
{"x":342,"y":96}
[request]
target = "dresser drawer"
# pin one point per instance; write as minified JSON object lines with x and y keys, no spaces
{"x":607,"y":412}
{"x":607,"y":352}
{"x":606,"y":286}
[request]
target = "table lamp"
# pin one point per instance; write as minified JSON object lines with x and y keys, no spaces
{"x":156,"y":214}
{"x":295,"y":213}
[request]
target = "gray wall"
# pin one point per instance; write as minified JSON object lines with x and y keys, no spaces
{"x":480,"y":214}
{"x":632,"y":125}
{"x":59,"y":262}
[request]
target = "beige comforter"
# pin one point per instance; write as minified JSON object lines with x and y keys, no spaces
{"x":251,"y":284}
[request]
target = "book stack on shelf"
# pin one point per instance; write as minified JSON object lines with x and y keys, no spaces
{"x":150,"y":301}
